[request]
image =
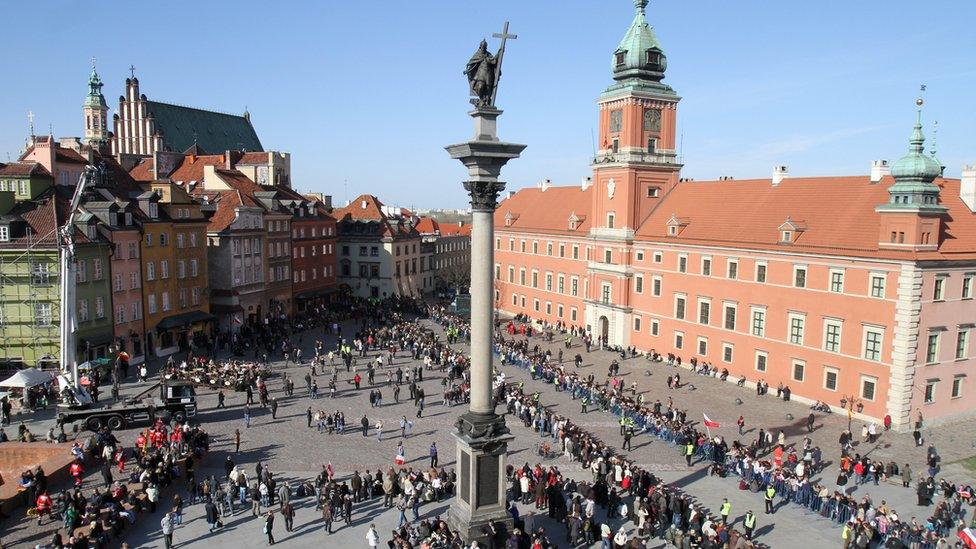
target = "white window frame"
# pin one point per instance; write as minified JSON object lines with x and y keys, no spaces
{"x":573,"y":314}
{"x":868,"y":379}
{"x":658,"y":257}
{"x":957,"y":382}
{"x":682,"y":258}
{"x":868,"y":328}
{"x":830,"y":281}
{"x":789,"y":328}
{"x":683,"y":298}
{"x":765,"y":362}
{"x":884,"y":283}
{"x":765,"y":267}
{"x":708,"y":302}
{"x":836,"y":323}
{"x":639,"y":255}
{"x":679,"y":335}
{"x":728,"y":353}
{"x":725,"y":306}
{"x":933,"y":357}
{"x":637,"y":323}
{"x":930,"y":383}
{"x":706,"y":260}
{"x":730,"y":265}
{"x":806,"y":275}
{"x":655,"y":327}
{"x":967,"y":285}
{"x":836,"y":372}
{"x":803,"y":367}
{"x":962,"y":336}
{"x":657,"y":286}
{"x":638,"y":284}
{"x":939,"y":286}
{"x":752,"y":321}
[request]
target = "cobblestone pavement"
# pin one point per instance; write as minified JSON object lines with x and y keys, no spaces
{"x":294,"y":451}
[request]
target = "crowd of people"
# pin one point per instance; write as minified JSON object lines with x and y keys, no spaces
{"x":765,"y":465}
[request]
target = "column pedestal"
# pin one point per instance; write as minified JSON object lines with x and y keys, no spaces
{"x":482,"y":445}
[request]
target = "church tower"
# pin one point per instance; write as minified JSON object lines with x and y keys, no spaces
{"x":635,"y":167}
{"x":96,"y":114}
{"x":912,"y":217}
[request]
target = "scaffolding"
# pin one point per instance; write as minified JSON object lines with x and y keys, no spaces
{"x":30,"y":304}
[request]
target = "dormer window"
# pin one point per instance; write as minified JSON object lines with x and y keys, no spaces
{"x":153,"y":209}
{"x":676,"y":224}
{"x":620,"y":57}
{"x":92,"y":232}
{"x":510,"y":218}
{"x":790,"y":230}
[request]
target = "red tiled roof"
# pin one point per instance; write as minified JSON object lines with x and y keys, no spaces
{"x":364,"y":207}
{"x":143,"y":171}
{"x":23,"y":169}
{"x":191,"y":168}
{"x":427,"y":225}
{"x":536,"y":210}
{"x":454,"y":229}
{"x":227,"y":203}
{"x":254,"y":158}
{"x":70,"y":156}
{"x":838,"y":214}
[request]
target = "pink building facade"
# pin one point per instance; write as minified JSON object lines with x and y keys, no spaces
{"x":127,"y":294}
{"x":851,"y":290}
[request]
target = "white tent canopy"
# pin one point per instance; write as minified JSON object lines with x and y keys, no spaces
{"x":27,"y":378}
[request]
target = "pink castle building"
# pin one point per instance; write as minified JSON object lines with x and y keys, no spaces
{"x":850,"y":290}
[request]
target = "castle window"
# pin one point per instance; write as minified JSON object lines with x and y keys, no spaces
{"x":786,"y":236}
{"x":616,"y":145}
{"x":653,"y":57}
{"x":651,"y":145}
{"x":620,"y":57}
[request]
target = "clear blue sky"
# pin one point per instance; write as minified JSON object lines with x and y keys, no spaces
{"x":370,"y":92}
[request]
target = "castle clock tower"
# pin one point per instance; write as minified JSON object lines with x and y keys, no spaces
{"x":636,"y":165}
{"x":96,"y":114}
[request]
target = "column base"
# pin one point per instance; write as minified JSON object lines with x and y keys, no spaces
{"x":482,"y":446}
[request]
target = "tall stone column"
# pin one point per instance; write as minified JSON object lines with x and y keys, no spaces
{"x":481,"y":434}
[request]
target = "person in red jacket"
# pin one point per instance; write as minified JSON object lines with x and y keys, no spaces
{"x":77,"y":470}
{"x":44,"y":505}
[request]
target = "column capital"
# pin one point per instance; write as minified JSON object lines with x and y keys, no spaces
{"x":484,"y":194}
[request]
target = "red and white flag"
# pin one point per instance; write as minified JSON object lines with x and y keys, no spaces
{"x":709,"y":423}
{"x":968,"y":537}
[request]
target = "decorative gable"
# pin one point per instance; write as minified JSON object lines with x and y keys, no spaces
{"x":510,"y":218}
{"x":790,"y":230}
{"x":676,"y":224}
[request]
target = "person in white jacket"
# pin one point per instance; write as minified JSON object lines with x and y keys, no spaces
{"x":372,"y":538}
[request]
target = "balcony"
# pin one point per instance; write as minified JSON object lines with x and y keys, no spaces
{"x":612,"y":268}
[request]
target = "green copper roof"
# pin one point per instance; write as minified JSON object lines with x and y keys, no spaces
{"x":639,"y":55}
{"x":214,"y":132}
{"x":916,"y":165}
{"x":94,"y":97}
{"x":914,"y":174}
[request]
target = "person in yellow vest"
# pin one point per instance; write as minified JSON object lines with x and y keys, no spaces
{"x":689,"y":451}
{"x":847,"y":534}
{"x":725,"y":510}
{"x":750,"y":524}
{"x":770,"y":494}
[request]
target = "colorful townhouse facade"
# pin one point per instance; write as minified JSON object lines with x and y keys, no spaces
{"x":855,"y":291}
{"x":314,"y":239}
{"x":381,"y":253}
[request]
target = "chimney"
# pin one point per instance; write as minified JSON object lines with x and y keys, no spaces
{"x":967,"y":186}
{"x":546,"y":183}
{"x":779,"y":174}
{"x":879,"y":169}
{"x":586,"y":183}
{"x":327,"y":201}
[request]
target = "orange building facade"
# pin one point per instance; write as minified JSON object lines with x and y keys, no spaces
{"x":850,"y":290}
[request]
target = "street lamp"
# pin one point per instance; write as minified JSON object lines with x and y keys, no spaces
{"x":851,"y":403}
